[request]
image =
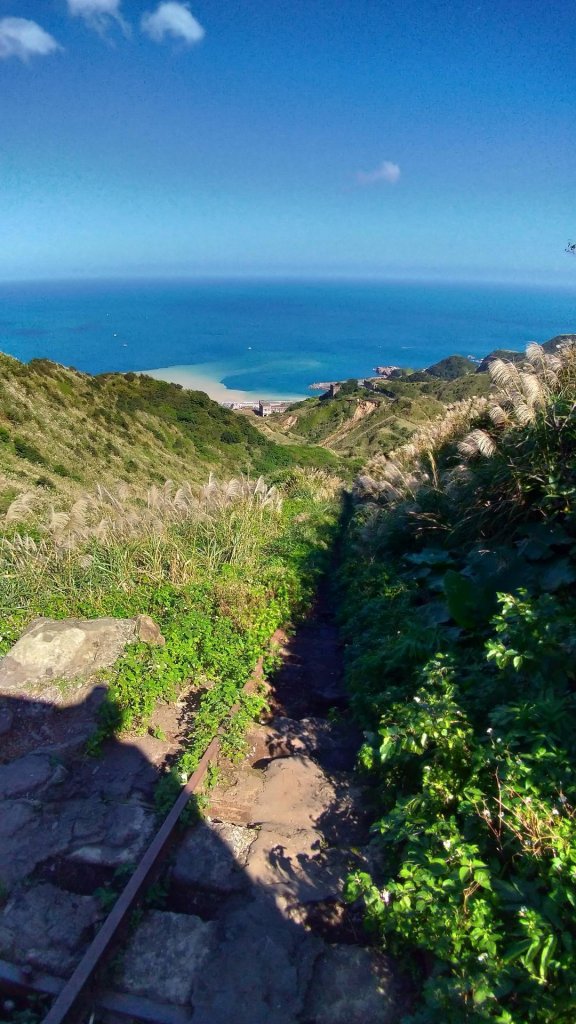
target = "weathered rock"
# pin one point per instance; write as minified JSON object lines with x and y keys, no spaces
{"x":293,"y":864}
{"x":84,"y":831}
{"x":6,"y":720}
{"x":110,"y":835}
{"x":235,"y":802}
{"x":296,"y":793}
{"x":352,"y":985}
{"x":212,"y":856}
{"x":47,"y":928}
{"x":148,"y":632}
{"x":69,"y":649}
{"x":29,"y":774}
{"x":17,"y":815}
{"x":165,"y":957}
{"x":258,"y":971}
{"x":335,"y":745}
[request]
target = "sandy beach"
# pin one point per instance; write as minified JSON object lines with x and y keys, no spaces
{"x":203,"y":377}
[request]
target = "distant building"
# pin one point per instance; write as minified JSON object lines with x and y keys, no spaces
{"x":267,"y":408}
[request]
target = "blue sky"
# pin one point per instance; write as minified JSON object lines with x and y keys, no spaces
{"x":421,"y":138}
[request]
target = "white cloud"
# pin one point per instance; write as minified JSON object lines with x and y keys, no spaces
{"x":22,"y":38}
{"x":98,"y":13}
{"x":386,"y":171}
{"x":174,"y":19}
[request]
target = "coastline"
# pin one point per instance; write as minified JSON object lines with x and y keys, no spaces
{"x":204,"y":377}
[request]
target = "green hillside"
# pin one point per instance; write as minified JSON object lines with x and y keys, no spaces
{"x":360,"y":421}
{"x":62,"y":431}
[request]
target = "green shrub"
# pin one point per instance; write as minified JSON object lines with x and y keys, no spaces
{"x":27,"y":451}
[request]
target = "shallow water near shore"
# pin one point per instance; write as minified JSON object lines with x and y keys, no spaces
{"x":253,"y":339}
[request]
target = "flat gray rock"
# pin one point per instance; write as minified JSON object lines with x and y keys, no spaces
{"x":352,"y":985}
{"x":259,"y":970}
{"x":67,"y":649}
{"x":28,"y":774}
{"x":213,"y":855}
{"x":165,"y":957}
{"x":47,"y":928}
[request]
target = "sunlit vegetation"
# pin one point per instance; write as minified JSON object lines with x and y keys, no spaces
{"x":64,"y":430}
{"x":459,"y":609}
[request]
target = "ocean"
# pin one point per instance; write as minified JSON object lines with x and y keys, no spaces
{"x":271,"y":338}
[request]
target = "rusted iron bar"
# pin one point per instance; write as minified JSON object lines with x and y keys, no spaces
{"x":70,"y":995}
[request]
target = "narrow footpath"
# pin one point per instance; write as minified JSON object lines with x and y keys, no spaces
{"x":254,"y":928}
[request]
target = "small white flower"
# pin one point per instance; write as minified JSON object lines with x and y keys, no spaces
{"x":555,"y":810}
{"x":426,"y":767}
{"x":483,"y":957}
{"x":417,"y":699}
{"x":489,"y":731}
{"x":499,"y":740}
{"x":523,"y":911}
{"x":385,"y":896}
{"x":562,"y":799}
{"x":446,"y":843}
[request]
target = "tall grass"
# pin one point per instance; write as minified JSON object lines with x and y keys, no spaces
{"x":477,"y":468}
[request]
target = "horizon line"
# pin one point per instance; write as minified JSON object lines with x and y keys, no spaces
{"x":287,"y":277}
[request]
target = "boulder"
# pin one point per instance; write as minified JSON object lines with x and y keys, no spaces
{"x":55,"y":651}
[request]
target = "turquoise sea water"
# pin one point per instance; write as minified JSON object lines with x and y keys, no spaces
{"x":270,"y":336}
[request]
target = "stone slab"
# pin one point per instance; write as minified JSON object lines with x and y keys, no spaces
{"x":234,"y":802}
{"x":26,"y":775}
{"x":296,"y":793}
{"x":165,"y":957}
{"x":294,"y":865}
{"x":213,"y":856}
{"x":47,"y":928}
{"x":258,"y":972}
{"x":353,"y":985}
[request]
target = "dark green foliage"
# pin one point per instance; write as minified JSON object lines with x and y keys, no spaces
{"x":452,"y":367}
{"x":508,"y":354}
{"x":4,"y":435}
{"x":28,"y":451}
